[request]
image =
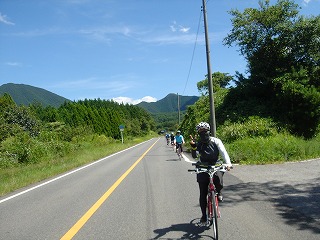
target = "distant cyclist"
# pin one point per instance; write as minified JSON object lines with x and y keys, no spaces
{"x":208,"y":149}
{"x":172,"y":137}
{"x":167,"y":138}
{"x":178,"y":141}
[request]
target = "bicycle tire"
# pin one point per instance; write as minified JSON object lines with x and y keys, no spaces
{"x":179,"y":152}
{"x":214,"y":202}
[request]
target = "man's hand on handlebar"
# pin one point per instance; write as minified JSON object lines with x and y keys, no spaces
{"x":228,"y":167}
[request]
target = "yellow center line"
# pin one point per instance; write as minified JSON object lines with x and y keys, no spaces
{"x":76,"y":227}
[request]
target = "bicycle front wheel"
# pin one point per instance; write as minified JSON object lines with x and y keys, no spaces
{"x":214,"y":202}
{"x":179,"y":152}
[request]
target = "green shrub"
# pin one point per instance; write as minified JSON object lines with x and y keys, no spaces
{"x":101,"y":140}
{"x":60,"y":148}
{"x":251,"y":128}
{"x":17,"y":148}
{"x":24,"y":149}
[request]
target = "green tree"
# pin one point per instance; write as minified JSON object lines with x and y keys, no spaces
{"x":263,"y":36}
{"x":16,"y":119}
{"x":6,"y":101}
{"x":277,"y":44}
{"x":300,"y":100}
{"x":219,"y":80}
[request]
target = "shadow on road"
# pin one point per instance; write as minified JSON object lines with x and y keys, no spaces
{"x":189,"y":230}
{"x":297,"y":204}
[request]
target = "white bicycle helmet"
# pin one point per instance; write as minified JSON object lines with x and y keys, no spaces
{"x":203,"y":125}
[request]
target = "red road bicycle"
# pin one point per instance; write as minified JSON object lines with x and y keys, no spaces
{"x":213,"y":212}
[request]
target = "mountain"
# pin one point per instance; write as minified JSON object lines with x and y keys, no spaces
{"x":169,"y":104}
{"x":24,"y":95}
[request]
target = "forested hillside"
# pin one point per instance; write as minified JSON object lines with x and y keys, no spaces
{"x":31,"y":133}
{"x":166,"y":112}
{"x":24,"y":94}
{"x":169,"y":104}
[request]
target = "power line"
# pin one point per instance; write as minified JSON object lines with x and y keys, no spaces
{"x":194,"y":48}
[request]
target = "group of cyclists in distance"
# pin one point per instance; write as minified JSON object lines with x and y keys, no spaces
{"x":175,"y":140}
{"x":205,"y":149}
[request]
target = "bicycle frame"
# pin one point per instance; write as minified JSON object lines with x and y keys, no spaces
{"x":212,"y":195}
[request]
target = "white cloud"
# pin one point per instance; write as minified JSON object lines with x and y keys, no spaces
{"x":184,"y":29}
{"x":128,"y":100}
{"x":13,"y":64}
{"x":175,"y":27}
{"x":106,"y":33}
{"x":306,"y":2}
{"x":3,"y":19}
{"x":148,"y":99}
{"x":40,"y":32}
{"x":171,"y":39}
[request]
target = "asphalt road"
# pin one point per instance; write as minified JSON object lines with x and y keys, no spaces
{"x":146,"y":193}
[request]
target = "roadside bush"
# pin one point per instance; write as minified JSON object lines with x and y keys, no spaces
{"x":17,"y":148}
{"x":74,"y":134}
{"x":61,"y":148}
{"x":23,"y":149}
{"x":101,"y":140}
{"x":7,"y":130}
{"x":251,"y":128}
{"x":22,"y":117}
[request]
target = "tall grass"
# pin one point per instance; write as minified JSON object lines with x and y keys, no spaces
{"x":273,"y":149}
{"x":259,"y":140}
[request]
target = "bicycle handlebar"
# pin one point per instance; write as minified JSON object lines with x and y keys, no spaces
{"x":200,"y":167}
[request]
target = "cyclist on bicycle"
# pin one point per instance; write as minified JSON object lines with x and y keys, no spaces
{"x":208,"y":149}
{"x":167,"y":138}
{"x":172,"y":137}
{"x":178,"y":141}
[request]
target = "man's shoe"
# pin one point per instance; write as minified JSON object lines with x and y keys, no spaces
{"x":203,"y":219}
{"x":220,"y":197}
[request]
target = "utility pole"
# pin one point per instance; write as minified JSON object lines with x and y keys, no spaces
{"x":210,"y":87}
{"x":178,"y":109}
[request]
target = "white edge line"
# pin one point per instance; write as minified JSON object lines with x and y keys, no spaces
{"x":64,"y":175}
{"x":186,"y":159}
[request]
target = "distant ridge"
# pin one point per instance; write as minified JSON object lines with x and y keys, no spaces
{"x":169,"y":104}
{"x":25,"y":94}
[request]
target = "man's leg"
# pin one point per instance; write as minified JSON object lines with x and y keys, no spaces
{"x":218,"y":182}
{"x":203,"y":187}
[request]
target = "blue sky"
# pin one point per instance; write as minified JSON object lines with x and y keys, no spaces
{"x":126,"y":50}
